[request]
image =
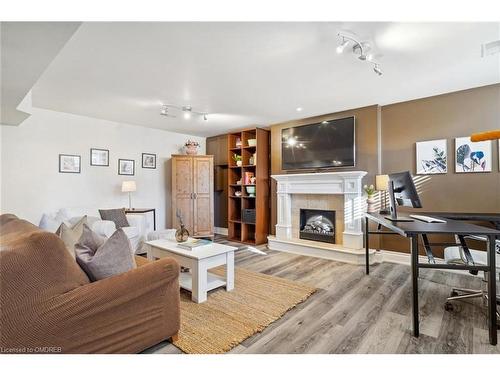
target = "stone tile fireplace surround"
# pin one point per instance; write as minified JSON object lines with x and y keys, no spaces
{"x":338,"y":191}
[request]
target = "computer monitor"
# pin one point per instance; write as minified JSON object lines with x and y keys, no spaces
{"x":402,"y":192}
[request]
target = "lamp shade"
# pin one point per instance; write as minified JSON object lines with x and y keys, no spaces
{"x":381,"y":182}
{"x":128,"y":186}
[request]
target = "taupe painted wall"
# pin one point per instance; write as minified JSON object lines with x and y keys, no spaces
{"x":443,"y":117}
{"x":366,"y":146}
{"x":402,"y":124}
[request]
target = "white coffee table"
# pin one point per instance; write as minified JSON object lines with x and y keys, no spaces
{"x":199,"y":281}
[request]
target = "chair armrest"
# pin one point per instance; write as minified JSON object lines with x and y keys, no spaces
{"x":104,"y":227}
{"x":123,"y":313}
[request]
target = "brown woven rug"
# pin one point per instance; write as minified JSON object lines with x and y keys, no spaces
{"x":228,"y":318}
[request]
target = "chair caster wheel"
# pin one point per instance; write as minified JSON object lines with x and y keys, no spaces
{"x":448,"y":306}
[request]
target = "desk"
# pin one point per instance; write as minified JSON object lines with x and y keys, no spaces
{"x":413,"y":230}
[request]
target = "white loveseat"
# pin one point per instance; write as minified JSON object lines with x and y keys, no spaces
{"x":136,"y":232}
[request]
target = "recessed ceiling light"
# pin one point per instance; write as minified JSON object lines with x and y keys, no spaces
{"x":298,"y":109}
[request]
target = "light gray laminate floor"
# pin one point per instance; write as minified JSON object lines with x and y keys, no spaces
{"x":356,"y":313}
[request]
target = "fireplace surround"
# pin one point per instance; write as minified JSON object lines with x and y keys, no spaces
{"x":347,"y":185}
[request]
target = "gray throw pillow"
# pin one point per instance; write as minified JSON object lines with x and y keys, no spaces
{"x":116,"y":215}
{"x":102,"y":257}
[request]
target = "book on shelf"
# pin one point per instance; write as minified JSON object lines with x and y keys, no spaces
{"x":193,"y":243}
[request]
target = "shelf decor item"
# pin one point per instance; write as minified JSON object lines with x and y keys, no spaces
{"x":238,"y":142}
{"x":181,"y":234}
{"x":370,"y":192}
{"x":248,"y":178}
{"x":238,"y":160}
{"x":250,"y":191}
{"x":191,"y":147}
{"x":252,"y":142}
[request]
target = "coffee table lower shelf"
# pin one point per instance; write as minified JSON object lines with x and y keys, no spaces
{"x":213,"y":281}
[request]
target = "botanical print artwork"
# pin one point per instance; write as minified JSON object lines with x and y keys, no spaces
{"x":472,"y":156}
{"x":432,"y":157}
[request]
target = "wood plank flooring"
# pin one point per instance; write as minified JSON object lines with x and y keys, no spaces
{"x":356,"y":313}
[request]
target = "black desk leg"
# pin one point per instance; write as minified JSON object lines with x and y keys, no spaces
{"x":492,"y":291}
{"x":154,"y":219}
{"x":414,"y":279}
{"x":367,"y":247}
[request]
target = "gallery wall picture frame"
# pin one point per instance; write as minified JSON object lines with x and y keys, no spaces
{"x":432,"y":157}
{"x":99,"y":157}
{"x":126,"y":167}
{"x":472,"y":157}
{"x":70,"y":163}
{"x":148,"y":160}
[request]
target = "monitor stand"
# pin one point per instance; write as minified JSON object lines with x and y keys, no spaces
{"x":394,"y":212}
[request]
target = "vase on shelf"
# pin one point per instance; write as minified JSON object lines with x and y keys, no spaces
{"x":239,"y":163}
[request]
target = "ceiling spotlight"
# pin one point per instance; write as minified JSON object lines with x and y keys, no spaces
{"x":324,"y":122}
{"x":377,"y":69}
{"x":187,"y":111}
{"x":369,"y":57}
{"x":164,"y":111}
{"x":298,"y":109}
{"x":342,"y":45}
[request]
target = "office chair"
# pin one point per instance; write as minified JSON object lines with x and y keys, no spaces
{"x":455,"y":255}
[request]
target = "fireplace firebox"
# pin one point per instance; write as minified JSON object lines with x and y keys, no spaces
{"x":317,"y":225}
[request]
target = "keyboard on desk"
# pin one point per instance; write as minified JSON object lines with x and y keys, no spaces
{"x":427,"y":219}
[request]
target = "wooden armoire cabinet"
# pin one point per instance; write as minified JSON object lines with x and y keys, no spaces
{"x":193,"y":193}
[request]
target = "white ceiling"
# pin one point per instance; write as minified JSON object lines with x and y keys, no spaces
{"x":26,"y":49}
{"x":256,"y":73}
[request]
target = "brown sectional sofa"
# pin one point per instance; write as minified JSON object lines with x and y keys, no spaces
{"x":47,"y":303}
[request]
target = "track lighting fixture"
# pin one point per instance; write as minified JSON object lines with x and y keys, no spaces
{"x":187,"y":111}
{"x":360,"y":49}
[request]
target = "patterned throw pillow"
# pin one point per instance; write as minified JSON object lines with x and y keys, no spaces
{"x":115,"y":215}
{"x":102,"y":257}
{"x":71,"y":235}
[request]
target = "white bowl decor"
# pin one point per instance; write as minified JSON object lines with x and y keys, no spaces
{"x":252,"y":142}
{"x":250,"y":191}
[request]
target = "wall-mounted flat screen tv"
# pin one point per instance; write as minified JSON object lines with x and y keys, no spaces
{"x":327,"y":144}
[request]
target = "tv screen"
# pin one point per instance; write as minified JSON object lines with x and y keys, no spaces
{"x":327,"y":144}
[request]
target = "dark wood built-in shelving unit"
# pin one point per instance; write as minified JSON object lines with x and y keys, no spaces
{"x":248,"y":232}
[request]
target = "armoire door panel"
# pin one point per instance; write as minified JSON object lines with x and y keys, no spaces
{"x":185,"y":207}
{"x":202,"y":220}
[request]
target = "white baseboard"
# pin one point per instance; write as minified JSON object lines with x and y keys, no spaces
{"x":222,"y":231}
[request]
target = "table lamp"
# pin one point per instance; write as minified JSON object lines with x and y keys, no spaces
{"x":129,"y":187}
{"x":381,"y":184}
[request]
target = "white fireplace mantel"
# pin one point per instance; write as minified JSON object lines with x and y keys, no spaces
{"x":348,"y":184}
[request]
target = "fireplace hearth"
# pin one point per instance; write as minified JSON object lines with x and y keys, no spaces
{"x":317,"y":225}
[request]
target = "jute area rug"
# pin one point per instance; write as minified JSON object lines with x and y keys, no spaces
{"x":228,"y":318}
